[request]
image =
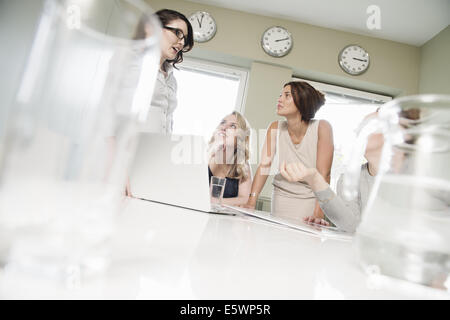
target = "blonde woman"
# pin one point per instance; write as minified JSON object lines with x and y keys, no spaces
{"x":229,"y":158}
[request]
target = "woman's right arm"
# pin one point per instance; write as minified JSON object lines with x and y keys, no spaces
{"x":263,"y":170}
{"x":344,"y":214}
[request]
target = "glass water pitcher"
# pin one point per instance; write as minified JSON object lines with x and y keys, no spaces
{"x":71,"y":133}
{"x":405,"y":227}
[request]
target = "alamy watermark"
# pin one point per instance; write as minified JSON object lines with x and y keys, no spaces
{"x":374,"y":20}
{"x":73,"y":17}
{"x":190,"y":150}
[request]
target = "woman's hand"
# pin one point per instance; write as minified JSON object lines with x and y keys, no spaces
{"x":251,"y":204}
{"x":297,"y":171}
{"x":315,"y":220}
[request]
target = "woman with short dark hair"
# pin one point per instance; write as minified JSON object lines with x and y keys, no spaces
{"x":298,"y":138}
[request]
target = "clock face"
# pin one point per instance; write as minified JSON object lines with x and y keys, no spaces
{"x":204,"y":26}
{"x":354,"y":60}
{"x":277,"y":41}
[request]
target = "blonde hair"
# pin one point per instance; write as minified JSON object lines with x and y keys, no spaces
{"x":241,"y":150}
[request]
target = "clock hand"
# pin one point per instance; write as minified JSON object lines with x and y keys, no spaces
{"x":199,"y":22}
{"x":281,"y":39}
{"x":360,"y":59}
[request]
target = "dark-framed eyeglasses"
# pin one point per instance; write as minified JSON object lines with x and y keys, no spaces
{"x":178,"y":32}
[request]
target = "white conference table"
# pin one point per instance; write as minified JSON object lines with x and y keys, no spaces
{"x":165,"y":252}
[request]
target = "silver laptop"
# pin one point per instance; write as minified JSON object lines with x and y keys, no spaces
{"x":173,"y":170}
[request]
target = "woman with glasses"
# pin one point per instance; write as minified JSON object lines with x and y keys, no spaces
{"x":177,"y":38}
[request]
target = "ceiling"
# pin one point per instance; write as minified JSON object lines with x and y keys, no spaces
{"x":412,"y":22}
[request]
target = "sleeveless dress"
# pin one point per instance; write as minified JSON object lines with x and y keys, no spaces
{"x":294,"y":200}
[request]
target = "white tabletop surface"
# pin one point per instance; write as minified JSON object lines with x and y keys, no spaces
{"x":165,"y":252}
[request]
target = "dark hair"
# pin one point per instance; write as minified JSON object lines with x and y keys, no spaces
{"x":307,"y":99}
{"x":166,"y":16}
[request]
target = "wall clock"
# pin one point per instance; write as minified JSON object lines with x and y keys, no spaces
{"x":354,"y":60}
{"x":204,"y":26}
{"x":277,"y":41}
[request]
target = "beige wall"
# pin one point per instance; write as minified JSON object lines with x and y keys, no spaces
{"x":265,"y":83}
{"x":435,"y":64}
{"x":394,"y":66}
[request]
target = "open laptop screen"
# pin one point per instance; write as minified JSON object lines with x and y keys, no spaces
{"x":171,"y":169}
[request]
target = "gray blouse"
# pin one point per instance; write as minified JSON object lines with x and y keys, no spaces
{"x":346,"y":215}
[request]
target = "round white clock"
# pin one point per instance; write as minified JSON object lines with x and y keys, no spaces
{"x":277,"y":41}
{"x":354,"y":60}
{"x":204,"y":26}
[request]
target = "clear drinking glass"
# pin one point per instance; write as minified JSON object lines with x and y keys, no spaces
{"x":405,"y":227}
{"x":217,"y":187}
{"x":71,"y":133}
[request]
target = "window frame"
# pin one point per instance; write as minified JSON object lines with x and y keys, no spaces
{"x":221,"y":70}
{"x":349,"y":93}
{"x":345,"y":91}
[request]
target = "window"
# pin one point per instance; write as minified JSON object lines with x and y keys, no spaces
{"x":344,"y":109}
{"x":206,"y":93}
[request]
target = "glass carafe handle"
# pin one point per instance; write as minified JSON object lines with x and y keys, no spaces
{"x":353,"y":167}
{"x":387,"y":124}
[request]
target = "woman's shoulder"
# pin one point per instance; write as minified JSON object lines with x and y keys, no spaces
{"x":323,"y":124}
{"x":273,"y":125}
{"x":324,"y":128}
{"x":272,"y":129}
{"x":278,"y":125}
{"x":171,"y":79}
{"x":167,"y":77}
